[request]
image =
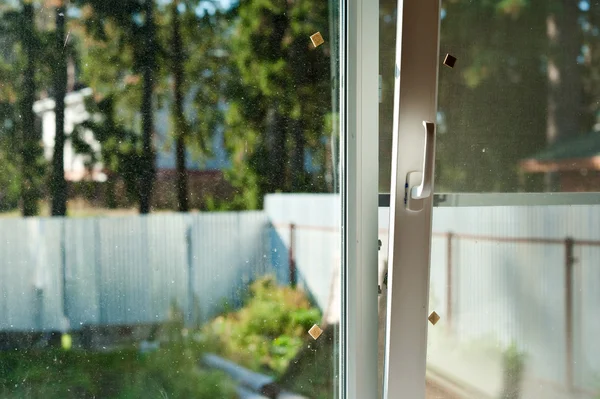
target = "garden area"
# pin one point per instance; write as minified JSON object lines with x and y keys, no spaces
{"x":267,"y":335}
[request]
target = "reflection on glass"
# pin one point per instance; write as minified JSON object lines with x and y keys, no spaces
{"x":174,"y":145}
{"x":516,"y":287}
{"x":519,"y":111}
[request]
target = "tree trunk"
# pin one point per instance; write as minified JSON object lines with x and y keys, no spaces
{"x":30,"y":149}
{"x":178,"y":113}
{"x":147,"y":173}
{"x":564,"y":83}
{"x":58,"y":185}
{"x":276,"y":152}
{"x":298,"y":169}
{"x":111,"y":192}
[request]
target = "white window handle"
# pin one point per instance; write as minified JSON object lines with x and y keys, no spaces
{"x":420,"y":184}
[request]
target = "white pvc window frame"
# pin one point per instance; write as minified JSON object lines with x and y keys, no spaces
{"x":410,"y":232}
{"x":359,"y":107}
{"x":415,"y":106}
{"x":417,"y":65}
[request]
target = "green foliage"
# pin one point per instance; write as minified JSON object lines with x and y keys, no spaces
{"x":514,"y":359}
{"x":171,"y":372}
{"x":514,"y":365}
{"x":268,"y":331}
{"x":278,"y":98}
{"x":10,"y":175}
{"x":9,"y":181}
{"x":121,"y":148}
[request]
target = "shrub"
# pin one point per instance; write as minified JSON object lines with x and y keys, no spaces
{"x":268,"y":331}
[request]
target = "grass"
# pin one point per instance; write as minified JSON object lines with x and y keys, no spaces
{"x":269,"y":334}
{"x":170,"y":372}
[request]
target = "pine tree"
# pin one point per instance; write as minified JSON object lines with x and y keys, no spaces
{"x":279,"y":103}
{"x":58,"y":185}
{"x":134,"y":20}
{"x":30,"y":149}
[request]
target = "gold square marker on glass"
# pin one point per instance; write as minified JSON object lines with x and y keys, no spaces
{"x":434,"y":318}
{"x":317,"y":39}
{"x":450,"y":60}
{"x":315,"y":331}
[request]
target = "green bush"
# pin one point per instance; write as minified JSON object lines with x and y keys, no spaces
{"x":514,"y":365}
{"x":268,"y":331}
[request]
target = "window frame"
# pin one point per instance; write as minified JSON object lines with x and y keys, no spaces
{"x":359,"y":108}
{"x":415,"y":102}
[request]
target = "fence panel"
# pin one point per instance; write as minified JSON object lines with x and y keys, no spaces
{"x":124,"y":277}
{"x":587,"y":323}
{"x":509,"y":283}
{"x":31,"y":278}
{"x":228,"y":250}
{"x":81,"y":277}
{"x":168,"y":263}
{"x":316,"y":249}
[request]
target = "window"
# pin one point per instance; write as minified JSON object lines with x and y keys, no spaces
{"x":511,"y":270}
{"x":175,"y":178}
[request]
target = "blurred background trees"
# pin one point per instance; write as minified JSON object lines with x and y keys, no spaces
{"x":524,"y":80}
{"x":195,"y":80}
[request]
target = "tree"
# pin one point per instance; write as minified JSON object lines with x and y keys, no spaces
{"x":58,"y":185}
{"x":134,"y":20}
{"x":30,"y":150}
{"x":121,"y":150}
{"x":197,"y":42}
{"x":148,"y":67}
{"x":10,"y":127}
{"x":181,"y":129}
{"x":279,"y":101}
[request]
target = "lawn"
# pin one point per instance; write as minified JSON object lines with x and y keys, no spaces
{"x":170,"y":372}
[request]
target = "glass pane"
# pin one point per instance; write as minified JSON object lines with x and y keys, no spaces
{"x":180,"y":236}
{"x":387,"y":57}
{"x":387,"y":51}
{"x":515,"y":285}
{"x":519,"y":110}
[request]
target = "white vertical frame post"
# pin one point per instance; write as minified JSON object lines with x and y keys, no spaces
{"x":415,"y":93}
{"x":359,"y":151}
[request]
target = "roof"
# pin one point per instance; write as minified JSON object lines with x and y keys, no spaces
{"x":573,"y":153}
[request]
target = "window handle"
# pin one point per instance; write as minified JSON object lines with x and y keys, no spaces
{"x":419,"y":185}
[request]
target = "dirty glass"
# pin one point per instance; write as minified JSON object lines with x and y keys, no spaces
{"x":518,"y":112}
{"x":169,"y":207}
{"x":514,"y":282}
